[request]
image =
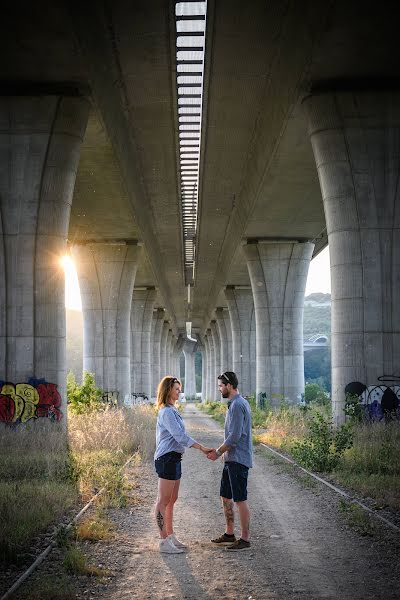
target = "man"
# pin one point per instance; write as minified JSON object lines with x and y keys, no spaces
{"x":237,"y":452}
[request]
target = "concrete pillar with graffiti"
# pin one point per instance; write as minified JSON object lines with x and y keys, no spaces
{"x":355,"y":137}
{"x":278,"y":274}
{"x":141,"y":323}
{"x":106,"y":273}
{"x":241,"y":311}
{"x":40,"y":142}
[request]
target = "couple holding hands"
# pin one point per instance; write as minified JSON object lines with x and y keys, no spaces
{"x":171,"y":441}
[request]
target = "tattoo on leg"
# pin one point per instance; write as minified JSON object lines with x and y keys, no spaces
{"x":228,"y":510}
{"x":160,"y":521}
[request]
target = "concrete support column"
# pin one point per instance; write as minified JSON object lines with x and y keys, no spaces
{"x":225,"y":364}
{"x":356,"y":139}
{"x":212,"y":367}
{"x":158,"y":318}
{"x":163,"y":350}
{"x":106,"y":274}
{"x":141,"y":323}
{"x":189,"y":351}
{"x":228,"y":329}
{"x":204,"y":353}
{"x":278,"y":274}
{"x":177,"y":351}
{"x":168,"y":354}
{"x":207,"y":342}
{"x":241,"y":309}
{"x":217,"y":349}
{"x":40,"y":139}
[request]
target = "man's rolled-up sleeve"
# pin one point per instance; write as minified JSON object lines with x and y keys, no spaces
{"x":176,"y":430}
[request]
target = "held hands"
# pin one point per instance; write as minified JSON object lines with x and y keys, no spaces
{"x":205,"y":450}
{"x":212,"y":455}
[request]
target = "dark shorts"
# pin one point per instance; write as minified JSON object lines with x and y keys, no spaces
{"x":169,"y":465}
{"x":234,"y":481}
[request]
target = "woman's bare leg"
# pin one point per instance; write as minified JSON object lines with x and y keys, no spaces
{"x":169,"y":509}
{"x":165,"y":492}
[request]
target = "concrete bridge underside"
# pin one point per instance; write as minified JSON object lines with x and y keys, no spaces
{"x":300,"y":146}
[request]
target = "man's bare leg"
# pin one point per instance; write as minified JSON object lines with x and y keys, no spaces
{"x":227,"y":505}
{"x":244,"y":516}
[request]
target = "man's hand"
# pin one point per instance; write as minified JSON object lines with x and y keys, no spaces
{"x":212,"y":455}
{"x":205,"y":450}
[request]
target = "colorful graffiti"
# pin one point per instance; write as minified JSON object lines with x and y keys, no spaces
{"x":21,"y":402}
{"x":380,"y":401}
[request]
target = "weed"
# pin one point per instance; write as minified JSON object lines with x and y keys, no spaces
{"x":52,"y":590}
{"x":95,"y":529}
{"x":75,"y":563}
{"x":357,"y":518}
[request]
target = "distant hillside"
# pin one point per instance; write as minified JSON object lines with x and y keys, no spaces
{"x":318,"y":300}
{"x":317,"y":315}
{"x":74,"y":342}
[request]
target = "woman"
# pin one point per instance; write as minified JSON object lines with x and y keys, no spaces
{"x":171,"y":441}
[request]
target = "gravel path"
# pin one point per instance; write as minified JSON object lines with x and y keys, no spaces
{"x":301,"y":545}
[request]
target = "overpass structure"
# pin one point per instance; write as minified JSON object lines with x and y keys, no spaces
{"x":194,"y":157}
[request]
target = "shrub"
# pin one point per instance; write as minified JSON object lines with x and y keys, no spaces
{"x":313,"y":393}
{"x":322,"y":447}
{"x":84,"y":398}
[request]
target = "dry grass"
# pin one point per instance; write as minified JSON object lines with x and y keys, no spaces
{"x":41,"y":476}
{"x":75,"y":563}
{"x":372,"y":465}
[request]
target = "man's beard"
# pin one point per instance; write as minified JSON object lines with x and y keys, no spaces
{"x":226,"y":395}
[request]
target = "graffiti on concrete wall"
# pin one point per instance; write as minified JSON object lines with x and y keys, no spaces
{"x":380,"y":401}
{"x":21,"y":402}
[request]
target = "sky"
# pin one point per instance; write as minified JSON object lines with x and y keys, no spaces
{"x":319,"y":279}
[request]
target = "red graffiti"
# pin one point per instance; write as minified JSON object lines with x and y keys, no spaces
{"x":24,"y":401}
{"x":49,"y":401}
{"x":7,"y":409}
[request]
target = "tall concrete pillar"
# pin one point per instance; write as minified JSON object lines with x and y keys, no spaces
{"x":163,"y":350}
{"x":40,"y":139}
{"x":207,"y":365}
{"x":141,"y":323}
{"x":278,"y":274}
{"x":212,"y":371}
{"x":158,"y":317}
{"x":177,"y":351}
{"x":106,"y":273}
{"x":189,"y":350}
{"x":204,"y":367}
{"x":217,"y":349}
{"x":225,"y":365}
{"x":168,"y":354}
{"x":356,"y":138}
{"x":241,"y":309}
{"x":228,"y":329}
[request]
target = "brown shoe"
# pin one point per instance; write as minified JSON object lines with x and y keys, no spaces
{"x":224,"y":540}
{"x":238,"y":545}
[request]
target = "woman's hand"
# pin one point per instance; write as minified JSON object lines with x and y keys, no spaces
{"x":205,"y":450}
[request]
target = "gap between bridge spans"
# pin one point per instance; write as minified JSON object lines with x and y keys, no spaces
{"x":333,"y":487}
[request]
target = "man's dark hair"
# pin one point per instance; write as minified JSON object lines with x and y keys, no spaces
{"x":229,"y":377}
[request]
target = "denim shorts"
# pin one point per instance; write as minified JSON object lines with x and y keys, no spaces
{"x":169,"y":465}
{"x":234,"y":481}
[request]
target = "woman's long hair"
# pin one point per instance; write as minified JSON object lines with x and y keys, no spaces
{"x":164,"y":389}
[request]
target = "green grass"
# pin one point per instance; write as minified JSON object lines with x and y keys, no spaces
{"x":372,"y":465}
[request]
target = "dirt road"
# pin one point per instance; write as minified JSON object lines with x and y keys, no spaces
{"x":301,"y":545}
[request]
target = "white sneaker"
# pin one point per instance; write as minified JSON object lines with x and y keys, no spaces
{"x":177,"y":543}
{"x":168,"y":547}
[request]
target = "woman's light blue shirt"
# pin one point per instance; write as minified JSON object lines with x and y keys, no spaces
{"x":170,"y":433}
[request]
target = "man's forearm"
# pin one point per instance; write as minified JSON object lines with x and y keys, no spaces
{"x":223,"y":448}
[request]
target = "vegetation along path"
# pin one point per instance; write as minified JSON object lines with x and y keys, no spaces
{"x":302,"y":546}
